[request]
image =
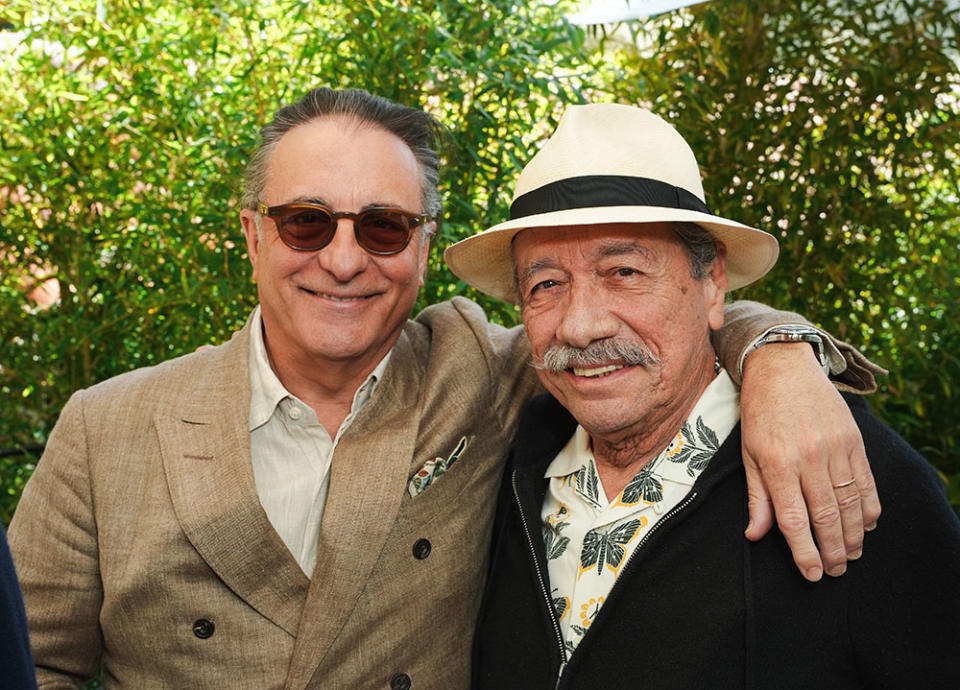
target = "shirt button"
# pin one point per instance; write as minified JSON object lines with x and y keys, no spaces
{"x":421,"y":549}
{"x":400,"y":681}
{"x":203,"y":628}
{"x":295,"y":413}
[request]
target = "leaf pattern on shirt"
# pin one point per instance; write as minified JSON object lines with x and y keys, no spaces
{"x":684,"y":450}
{"x":552,"y":529}
{"x":607,"y":547}
{"x":645,"y":486}
{"x":603,"y":537}
{"x":588,"y":483}
{"x":561,"y":604}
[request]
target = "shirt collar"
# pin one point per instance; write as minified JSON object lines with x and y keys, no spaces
{"x":266,"y":390}
{"x":718,"y":406}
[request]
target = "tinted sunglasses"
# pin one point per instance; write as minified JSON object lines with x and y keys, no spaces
{"x":306,"y":226}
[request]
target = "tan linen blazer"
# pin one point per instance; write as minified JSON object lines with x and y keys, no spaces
{"x":142,"y":518}
{"x":141,"y":525}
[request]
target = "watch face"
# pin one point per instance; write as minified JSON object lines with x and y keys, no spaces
{"x":799,"y":334}
{"x":795,"y":330}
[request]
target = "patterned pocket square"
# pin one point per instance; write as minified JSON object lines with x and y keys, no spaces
{"x":432,"y":469}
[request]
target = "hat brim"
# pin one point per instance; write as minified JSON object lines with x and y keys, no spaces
{"x":485,"y":262}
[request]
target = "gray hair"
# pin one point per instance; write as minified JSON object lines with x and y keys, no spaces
{"x":702,"y":247}
{"x":417,"y":129}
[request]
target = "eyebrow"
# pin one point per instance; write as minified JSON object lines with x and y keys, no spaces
{"x":533,"y":267}
{"x":610,"y":249}
{"x":309,"y":200}
{"x":624,"y":249}
{"x":325,"y":203}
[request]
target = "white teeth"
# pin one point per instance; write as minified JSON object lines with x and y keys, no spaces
{"x":601,"y":371}
{"x":334,"y":297}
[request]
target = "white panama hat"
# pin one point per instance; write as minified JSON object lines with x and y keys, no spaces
{"x":608,"y":163}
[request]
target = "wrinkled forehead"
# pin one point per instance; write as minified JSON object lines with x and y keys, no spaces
{"x":590,"y":241}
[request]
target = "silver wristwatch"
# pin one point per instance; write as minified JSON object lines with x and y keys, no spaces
{"x":796,"y":334}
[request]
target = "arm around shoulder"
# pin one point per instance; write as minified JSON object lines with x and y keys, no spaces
{"x":746,"y":321}
{"x":802,"y":451}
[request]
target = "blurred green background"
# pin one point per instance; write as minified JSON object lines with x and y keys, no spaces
{"x":834,"y":124}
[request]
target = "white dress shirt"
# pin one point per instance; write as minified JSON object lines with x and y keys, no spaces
{"x":292,"y":451}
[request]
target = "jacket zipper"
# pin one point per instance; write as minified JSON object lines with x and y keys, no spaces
{"x":540,"y":578}
{"x":543,"y":587}
{"x":670,"y":513}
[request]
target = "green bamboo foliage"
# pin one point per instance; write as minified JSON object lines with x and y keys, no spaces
{"x":126,"y":127}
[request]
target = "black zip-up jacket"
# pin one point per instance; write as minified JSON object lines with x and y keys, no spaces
{"x":699,"y":606}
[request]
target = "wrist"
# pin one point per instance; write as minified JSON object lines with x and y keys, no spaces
{"x":798,"y":338}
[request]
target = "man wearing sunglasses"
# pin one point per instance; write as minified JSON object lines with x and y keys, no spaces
{"x":310,"y":504}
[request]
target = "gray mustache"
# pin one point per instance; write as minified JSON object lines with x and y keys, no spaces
{"x":562,"y":357}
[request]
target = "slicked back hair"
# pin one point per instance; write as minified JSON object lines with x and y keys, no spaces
{"x":417,"y":129}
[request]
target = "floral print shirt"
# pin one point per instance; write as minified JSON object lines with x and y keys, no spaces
{"x":589,"y":540}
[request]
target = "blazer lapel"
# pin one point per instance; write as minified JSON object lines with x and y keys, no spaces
{"x":368,"y":479}
{"x":205,"y":446}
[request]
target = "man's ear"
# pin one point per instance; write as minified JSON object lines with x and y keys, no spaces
{"x":429,"y":229}
{"x":715,"y":289}
{"x":248,"y":218}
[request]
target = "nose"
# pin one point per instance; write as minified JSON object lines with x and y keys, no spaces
{"x":343,"y":257}
{"x":586,"y":316}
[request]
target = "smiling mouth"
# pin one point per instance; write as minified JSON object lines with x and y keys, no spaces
{"x":597,"y":372}
{"x":334,"y":298}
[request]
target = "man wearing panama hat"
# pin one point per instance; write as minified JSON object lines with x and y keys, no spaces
{"x":619,"y":558}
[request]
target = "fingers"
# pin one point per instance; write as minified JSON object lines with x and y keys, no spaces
{"x":851,"y":519}
{"x":823,"y":526}
{"x":834,"y":536}
{"x":835,"y":505}
{"x":795,"y":522}
{"x":778,"y":489}
{"x":855,"y":495}
{"x":801,"y":447}
{"x":759,"y":504}
{"x":819,"y":513}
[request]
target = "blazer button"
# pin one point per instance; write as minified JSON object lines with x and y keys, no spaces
{"x":203,"y":628}
{"x":421,"y":549}
{"x":401,"y":681}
